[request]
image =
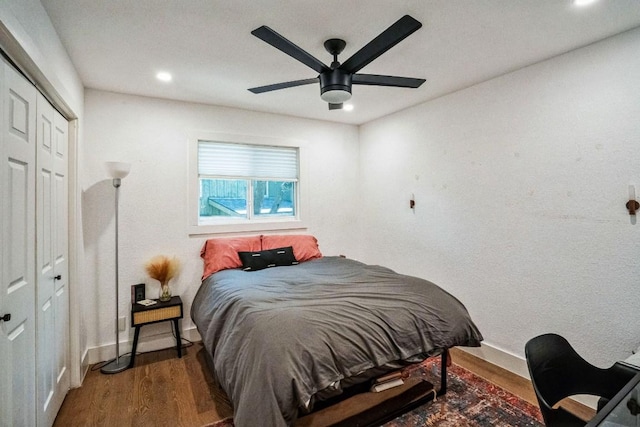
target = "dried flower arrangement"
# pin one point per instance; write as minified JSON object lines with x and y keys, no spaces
{"x":163,"y":269}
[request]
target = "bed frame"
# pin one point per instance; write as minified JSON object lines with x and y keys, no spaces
{"x":401,"y":409}
{"x":404,"y":408}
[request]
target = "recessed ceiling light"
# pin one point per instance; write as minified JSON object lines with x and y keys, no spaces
{"x":164,"y":76}
{"x":583,"y":2}
{"x":347,"y":107}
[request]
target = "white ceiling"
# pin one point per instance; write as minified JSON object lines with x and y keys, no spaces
{"x":119,"y":45}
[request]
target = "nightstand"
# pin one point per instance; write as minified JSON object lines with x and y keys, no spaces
{"x":161,"y":312}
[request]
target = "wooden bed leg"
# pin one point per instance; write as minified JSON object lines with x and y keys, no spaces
{"x":444,"y":360}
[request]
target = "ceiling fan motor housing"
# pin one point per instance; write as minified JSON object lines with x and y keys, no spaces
{"x":335,"y":86}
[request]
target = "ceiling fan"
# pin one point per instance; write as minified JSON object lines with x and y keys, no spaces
{"x":336,"y":79}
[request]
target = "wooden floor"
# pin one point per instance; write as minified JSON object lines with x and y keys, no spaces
{"x":162,"y":390}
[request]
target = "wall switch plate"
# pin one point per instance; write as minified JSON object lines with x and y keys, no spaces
{"x":122,"y":322}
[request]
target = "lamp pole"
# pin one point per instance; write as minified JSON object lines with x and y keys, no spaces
{"x":120,"y":363}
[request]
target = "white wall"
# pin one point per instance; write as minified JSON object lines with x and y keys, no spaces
{"x":520,"y":184}
{"x":152,"y":134}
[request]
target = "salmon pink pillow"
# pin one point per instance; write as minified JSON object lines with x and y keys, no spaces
{"x":305,"y":247}
{"x":222,"y":253}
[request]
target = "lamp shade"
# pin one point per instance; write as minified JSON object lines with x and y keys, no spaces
{"x":118,"y":170}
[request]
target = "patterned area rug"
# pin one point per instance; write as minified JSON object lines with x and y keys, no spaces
{"x":470,"y":401}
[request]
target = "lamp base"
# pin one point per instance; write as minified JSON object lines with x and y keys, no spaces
{"x":117,"y":365}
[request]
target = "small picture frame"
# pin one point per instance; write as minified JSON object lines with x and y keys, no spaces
{"x":137,"y":293}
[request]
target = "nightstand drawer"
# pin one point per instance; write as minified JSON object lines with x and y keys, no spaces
{"x":157,"y":315}
{"x":159,"y":312}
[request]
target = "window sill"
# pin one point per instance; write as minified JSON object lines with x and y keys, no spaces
{"x":244,"y":227}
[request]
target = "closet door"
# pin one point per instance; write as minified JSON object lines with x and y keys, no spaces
{"x":17,"y":220}
{"x":52,"y":262}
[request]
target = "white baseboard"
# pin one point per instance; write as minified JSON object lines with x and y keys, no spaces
{"x":501,"y":358}
{"x":515,"y":364}
{"x":148,"y":343}
{"x":84,"y":365}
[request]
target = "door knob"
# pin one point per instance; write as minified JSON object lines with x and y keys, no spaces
{"x":58,"y":277}
{"x":6,"y":317}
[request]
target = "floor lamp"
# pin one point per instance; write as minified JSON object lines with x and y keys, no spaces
{"x":117,"y":171}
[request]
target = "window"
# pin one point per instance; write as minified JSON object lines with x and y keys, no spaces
{"x":245,"y":186}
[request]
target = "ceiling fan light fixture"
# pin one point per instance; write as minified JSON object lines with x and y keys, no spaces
{"x":335,"y":86}
{"x":336,"y":96}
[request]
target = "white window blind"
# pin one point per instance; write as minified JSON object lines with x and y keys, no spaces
{"x":224,"y":159}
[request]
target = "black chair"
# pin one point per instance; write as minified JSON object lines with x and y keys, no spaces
{"x":557,"y":371}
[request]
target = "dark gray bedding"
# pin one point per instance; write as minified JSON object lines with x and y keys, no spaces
{"x":277,"y":336}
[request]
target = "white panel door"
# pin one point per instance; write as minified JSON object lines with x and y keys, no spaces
{"x":52,"y":380}
{"x":17,"y":219}
{"x":61,"y":260}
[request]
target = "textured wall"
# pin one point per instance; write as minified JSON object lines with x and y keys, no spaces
{"x":520,"y":186}
{"x":152,"y":134}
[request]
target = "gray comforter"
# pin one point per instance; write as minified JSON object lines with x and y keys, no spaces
{"x":277,"y":336}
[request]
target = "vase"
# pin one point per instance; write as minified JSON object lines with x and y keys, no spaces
{"x":165,"y":292}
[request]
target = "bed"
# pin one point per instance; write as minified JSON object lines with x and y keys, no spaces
{"x":290,"y":332}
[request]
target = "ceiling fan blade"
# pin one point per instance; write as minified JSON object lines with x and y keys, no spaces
{"x":276,"y":40}
{"x":376,"y":80}
{"x":284,"y":85}
{"x":390,"y":37}
{"x":335,"y":106}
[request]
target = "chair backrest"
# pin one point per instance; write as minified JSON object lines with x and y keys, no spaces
{"x":553,"y":365}
{"x":557,"y":371}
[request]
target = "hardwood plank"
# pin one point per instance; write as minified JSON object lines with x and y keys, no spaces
{"x":182,"y":394}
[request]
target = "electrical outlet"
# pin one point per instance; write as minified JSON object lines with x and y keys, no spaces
{"x":122,"y":322}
